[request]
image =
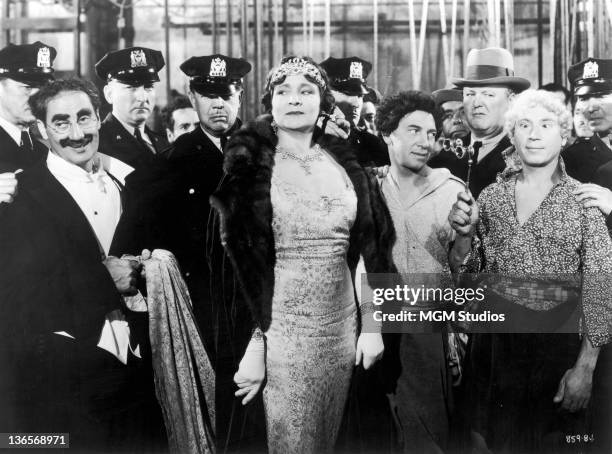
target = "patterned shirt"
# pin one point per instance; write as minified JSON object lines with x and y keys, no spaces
{"x":560,"y":237}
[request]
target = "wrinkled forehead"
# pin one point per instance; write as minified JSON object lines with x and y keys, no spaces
{"x":70,"y":104}
{"x":452,"y":105}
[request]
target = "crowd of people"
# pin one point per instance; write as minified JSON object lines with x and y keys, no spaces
{"x":270,"y":226}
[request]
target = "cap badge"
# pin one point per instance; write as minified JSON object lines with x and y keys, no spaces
{"x":138,"y":58}
{"x":356,"y":70}
{"x":218,"y":68}
{"x":43,"y":60}
{"x":591,"y":70}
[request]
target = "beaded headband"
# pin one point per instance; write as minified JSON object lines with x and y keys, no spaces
{"x":295,"y":66}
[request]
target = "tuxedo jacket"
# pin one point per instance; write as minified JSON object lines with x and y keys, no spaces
{"x":52,"y":280}
{"x":13,"y":158}
{"x":117,"y":142}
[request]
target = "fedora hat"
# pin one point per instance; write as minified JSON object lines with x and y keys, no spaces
{"x":490,"y":66}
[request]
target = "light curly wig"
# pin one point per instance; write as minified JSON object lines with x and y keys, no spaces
{"x":538,"y":98}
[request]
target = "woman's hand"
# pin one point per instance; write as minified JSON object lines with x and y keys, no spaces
{"x":251,"y":370}
{"x":370,"y":348}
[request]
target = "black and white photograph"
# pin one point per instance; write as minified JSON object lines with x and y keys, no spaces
{"x":306,"y":226}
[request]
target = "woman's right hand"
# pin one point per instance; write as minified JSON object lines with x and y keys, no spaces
{"x":251,"y":370}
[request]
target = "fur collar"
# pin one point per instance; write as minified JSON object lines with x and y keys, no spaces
{"x":245,"y":214}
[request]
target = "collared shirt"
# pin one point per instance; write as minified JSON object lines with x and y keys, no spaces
{"x":422,"y":228}
{"x":95,"y":192}
{"x":132,"y":131}
{"x":214,"y":139}
{"x":99,"y":198}
{"x":11,"y":130}
{"x":560,"y":237}
{"x":487,"y":144}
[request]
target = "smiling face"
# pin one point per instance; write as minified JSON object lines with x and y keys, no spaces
{"x":296,"y":103}
{"x":14,"y":106}
{"x":131,"y":104}
{"x":413,"y":140}
{"x":537,"y":137}
{"x":71,"y":126}
{"x":485,"y":108}
{"x":217,"y":114}
{"x":597,"y":111}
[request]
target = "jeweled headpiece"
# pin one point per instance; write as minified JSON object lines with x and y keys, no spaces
{"x":295,"y":66}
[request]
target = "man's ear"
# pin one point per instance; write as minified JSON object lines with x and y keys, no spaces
{"x":388,"y":140}
{"x":108,"y":91}
{"x":170,"y":135}
{"x":192,"y":98}
{"x":42,"y":130}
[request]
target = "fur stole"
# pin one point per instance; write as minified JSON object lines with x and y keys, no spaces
{"x":245,"y":214}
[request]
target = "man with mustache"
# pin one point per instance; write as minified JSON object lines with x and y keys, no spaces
{"x":488,"y":87}
{"x":76,"y":358}
{"x":347,"y":81}
{"x":592,"y":82}
{"x":130,"y":75}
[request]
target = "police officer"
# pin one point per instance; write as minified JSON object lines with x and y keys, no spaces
{"x":196,"y":161}
{"x":130,"y":75}
{"x":23,"y":69}
{"x":347,"y":82}
{"x":592,"y":82}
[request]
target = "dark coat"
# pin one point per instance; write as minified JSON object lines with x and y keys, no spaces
{"x":584,"y":157}
{"x":483,"y":173}
{"x":245,"y":212}
{"x":13,"y":158}
{"x":117,"y":142}
{"x":371,"y":150}
{"x":603,"y":177}
{"x":52,"y":279}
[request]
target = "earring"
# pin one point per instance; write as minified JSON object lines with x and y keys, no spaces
{"x":274,"y":127}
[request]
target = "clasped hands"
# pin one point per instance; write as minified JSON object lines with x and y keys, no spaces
{"x":126,"y":272}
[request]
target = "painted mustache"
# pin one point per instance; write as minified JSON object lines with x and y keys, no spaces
{"x":87,"y":138}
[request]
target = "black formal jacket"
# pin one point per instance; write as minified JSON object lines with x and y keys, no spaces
{"x":52,"y":279}
{"x":117,"y":142}
{"x":13,"y":158}
{"x":584,"y":157}
{"x":483,"y":173}
{"x":245,"y":214}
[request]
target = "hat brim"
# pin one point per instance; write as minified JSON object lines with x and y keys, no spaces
{"x":350,"y":88}
{"x":517,"y":83}
{"x":34,"y":80}
{"x":137,"y":79}
{"x":446,"y":95}
{"x":206,"y":89}
{"x":592,"y":90}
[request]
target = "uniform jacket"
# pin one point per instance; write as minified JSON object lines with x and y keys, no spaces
{"x":117,"y":142}
{"x":371,"y":151}
{"x":13,"y":158}
{"x":245,"y":212}
{"x":584,"y":157}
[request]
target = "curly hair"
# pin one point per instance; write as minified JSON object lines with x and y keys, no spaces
{"x":327,"y":99}
{"x":538,"y":98}
{"x":40,"y":100}
{"x":395,"y":107}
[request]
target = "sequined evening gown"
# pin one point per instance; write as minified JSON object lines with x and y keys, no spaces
{"x":311,"y":340}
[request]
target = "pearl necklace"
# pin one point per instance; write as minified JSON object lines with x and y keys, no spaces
{"x":305,"y":161}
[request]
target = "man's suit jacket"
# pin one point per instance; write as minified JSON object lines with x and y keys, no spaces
{"x":13,"y":158}
{"x":52,"y":280}
{"x":483,"y":173}
{"x":117,"y":142}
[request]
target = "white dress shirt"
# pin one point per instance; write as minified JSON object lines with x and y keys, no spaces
{"x":99,"y":198}
{"x":487,"y":144}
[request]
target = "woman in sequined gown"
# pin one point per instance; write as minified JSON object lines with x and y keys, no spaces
{"x":301,"y":205}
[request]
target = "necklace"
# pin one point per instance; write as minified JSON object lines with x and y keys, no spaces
{"x":304,"y":161}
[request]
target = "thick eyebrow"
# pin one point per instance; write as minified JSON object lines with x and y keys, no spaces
{"x":60,"y":117}
{"x":84,"y":111}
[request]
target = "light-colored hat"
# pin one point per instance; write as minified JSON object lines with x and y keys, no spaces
{"x":491,"y":66}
